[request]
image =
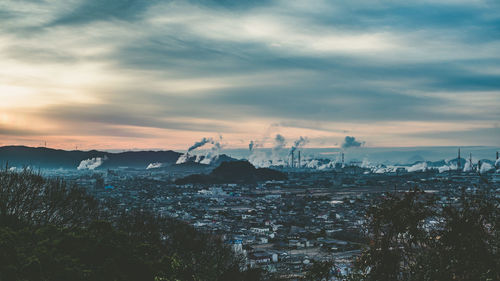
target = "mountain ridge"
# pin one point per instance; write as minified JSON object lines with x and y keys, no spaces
{"x":42,"y":157}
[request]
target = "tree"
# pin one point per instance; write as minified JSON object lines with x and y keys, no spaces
{"x":49,"y":231}
{"x":321,"y":270}
{"x":414,"y":238}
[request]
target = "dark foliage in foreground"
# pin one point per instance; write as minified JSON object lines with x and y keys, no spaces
{"x":413,"y":237}
{"x":49,"y":231}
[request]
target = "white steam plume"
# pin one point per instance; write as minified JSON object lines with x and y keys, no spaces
{"x":182,"y":159}
{"x":279,"y":144}
{"x":213,"y":153}
{"x":418,"y":167}
{"x":92,"y":163}
{"x":210,"y":155}
{"x":467,"y":167}
{"x":485,"y":167}
{"x":154,"y":166}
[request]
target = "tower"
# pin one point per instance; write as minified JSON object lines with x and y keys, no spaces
{"x":470,"y":161}
{"x":342,"y":159}
{"x":299,"y":159}
{"x":292,"y":160}
{"x":458,"y":160}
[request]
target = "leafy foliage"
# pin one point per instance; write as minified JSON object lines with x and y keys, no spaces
{"x":412,"y":237}
{"x":321,"y":270}
{"x":49,"y":231}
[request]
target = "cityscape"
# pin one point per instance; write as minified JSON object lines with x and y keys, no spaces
{"x":263,"y":140}
{"x":283,"y":225}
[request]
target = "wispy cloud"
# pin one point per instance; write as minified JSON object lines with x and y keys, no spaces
{"x":184,"y":68}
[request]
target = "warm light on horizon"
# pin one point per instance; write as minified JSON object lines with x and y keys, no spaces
{"x":173,"y":73}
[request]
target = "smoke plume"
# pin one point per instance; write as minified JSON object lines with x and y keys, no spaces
{"x":279,"y":142}
{"x":251,"y":145}
{"x":467,"y":167}
{"x":485,"y":167}
{"x":154,"y":166}
{"x":182,"y":159}
{"x":212,"y":154}
{"x":298,"y":143}
{"x":91,"y":164}
{"x":351,"y":142}
{"x":419,"y":167}
{"x":200,"y":143}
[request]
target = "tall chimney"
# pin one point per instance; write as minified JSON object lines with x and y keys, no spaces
{"x":342,"y":158}
{"x":458,"y":161}
{"x":470,"y":161}
{"x":292,"y":160}
{"x":299,"y":159}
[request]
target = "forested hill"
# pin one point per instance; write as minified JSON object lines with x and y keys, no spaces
{"x":41,"y":157}
{"x":235,"y":172}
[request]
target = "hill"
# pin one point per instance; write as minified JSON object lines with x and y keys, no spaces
{"x":41,"y":157}
{"x":48,"y":158}
{"x":234,"y":172}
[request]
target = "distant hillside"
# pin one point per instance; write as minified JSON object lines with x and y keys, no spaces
{"x":234,"y":172}
{"x":193,"y":160}
{"x":41,"y":157}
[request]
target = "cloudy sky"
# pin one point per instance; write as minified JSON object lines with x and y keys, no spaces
{"x":162,"y":74}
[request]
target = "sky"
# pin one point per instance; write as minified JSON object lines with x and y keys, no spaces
{"x":132,"y":74}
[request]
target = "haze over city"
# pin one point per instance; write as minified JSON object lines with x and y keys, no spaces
{"x":132,"y":74}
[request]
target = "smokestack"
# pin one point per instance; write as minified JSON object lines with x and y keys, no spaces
{"x":299,"y":158}
{"x":470,"y":161}
{"x":292,"y":160}
{"x":342,"y":158}
{"x":479,"y":167}
{"x":458,"y":162}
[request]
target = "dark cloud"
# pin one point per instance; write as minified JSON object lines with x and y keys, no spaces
{"x":7,"y":131}
{"x":351,"y":142}
{"x":480,"y":135}
{"x":96,"y":10}
{"x":123,"y":116}
{"x":131,"y":10}
{"x":85,"y":129}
